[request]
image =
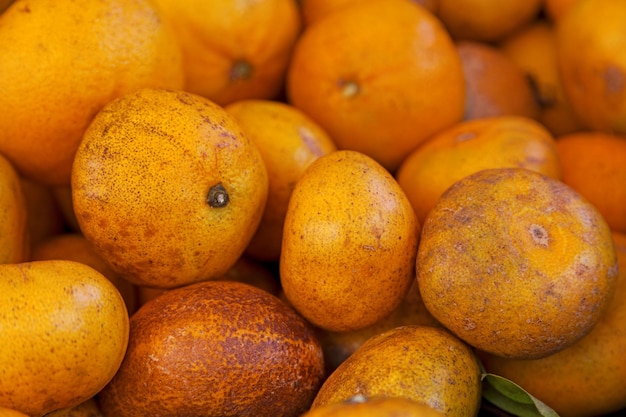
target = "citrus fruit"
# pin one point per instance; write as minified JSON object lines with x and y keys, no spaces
{"x":359,"y":406}
{"x":14,"y":232}
{"x":516,"y":263}
{"x":288,"y":141}
{"x":470,"y":146}
{"x":588,"y":378}
{"x":216,"y":348}
{"x":167,"y":187}
{"x":234,"y":50}
{"x":366,"y":73}
{"x":425,"y":364}
{"x":64,"y":330}
{"x":594,"y":164}
{"x":349,"y":243}
{"x":61,"y":62}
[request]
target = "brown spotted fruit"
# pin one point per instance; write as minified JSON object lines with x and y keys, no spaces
{"x":216,"y":348}
{"x":516,"y":263}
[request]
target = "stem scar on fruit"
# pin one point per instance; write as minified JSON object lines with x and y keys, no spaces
{"x":241,"y":70}
{"x":348,"y":88}
{"x":218,"y":196}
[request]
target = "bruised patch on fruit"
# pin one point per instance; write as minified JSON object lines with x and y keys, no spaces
{"x":310,"y":141}
{"x":539,"y":235}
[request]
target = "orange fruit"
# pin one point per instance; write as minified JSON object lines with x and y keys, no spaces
{"x":313,"y":10}
{"x":43,"y":215}
{"x":216,"y":348}
{"x":338,"y":346}
{"x":88,"y":408}
{"x":425,"y":364}
{"x":167,"y":187}
{"x":289,"y":141}
{"x":234,"y":50}
{"x":8,"y":412}
{"x":590,"y":43}
{"x":74,"y":247}
{"x":589,"y":378}
{"x":555,"y":9}
{"x":516,"y":263}
{"x":594,"y":164}
{"x":64,"y":330}
{"x":349,"y":243}
{"x":359,"y":406}
{"x":14,"y":232}
{"x":496,"y":86}
{"x":533,"y":49}
{"x":486,"y":20}
{"x":61,"y":62}
{"x":470,"y":146}
{"x":366,"y":73}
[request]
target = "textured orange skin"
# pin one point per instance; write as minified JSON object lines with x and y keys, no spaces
{"x":216,"y":35}
{"x":594,"y":164}
{"x":590,"y":45}
{"x":372,"y":89}
{"x":14,"y":237}
{"x":338,"y":346}
{"x":375,"y":407}
{"x":426,"y":364}
{"x":470,"y":146}
{"x":349,"y":243}
{"x":140,"y":183}
{"x":75,"y":247}
{"x":216,"y":348}
{"x":516,"y":263}
{"x":496,"y":86}
{"x":486,"y":20}
{"x":289,"y":141}
{"x":64,"y":330}
{"x":61,"y":62}
{"x":589,"y":378}
{"x":533,"y":49}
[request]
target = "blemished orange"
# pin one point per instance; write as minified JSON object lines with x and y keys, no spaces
{"x":426,"y":364}
{"x":360,"y":406}
{"x":167,"y":187}
{"x":14,"y":234}
{"x":74,"y":247}
{"x":470,"y":146}
{"x":349,"y":243}
{"x":216,"y":348}
{"x":486,"y":20}
{"x":533,"y":49}
{"x":313,"y":10}
{"x":289,"y":141}
{"x":496,"y":86}
{"x":234,"y":50}
{"x":589,"y":378}
{"x":590,"y":42}
{"x":65,"y":330}
{"x":379,"y":76}
{"x":516,"y":263}
{"x":594,"y":164}
{"x":61,"y":62}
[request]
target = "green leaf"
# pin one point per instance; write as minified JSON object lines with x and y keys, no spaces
{"x":510,"y":397}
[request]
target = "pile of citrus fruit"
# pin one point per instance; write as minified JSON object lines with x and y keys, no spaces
{"x":312,"y":208}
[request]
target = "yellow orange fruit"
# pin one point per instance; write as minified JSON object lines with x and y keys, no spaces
{"x":590,"y":43}
{"x":589,"y":378}
{"x":533,"y":49}
{"x":64,"y":330}
{"x":14,"y":232}
{"x":471,"y":146}
{"x":516,"y":263}
{"x":61,"y":62}
{"x":216,"y":348}
{"x":496,"y":86}
{"x":8,"y":412}
{"x":349,"y":243}
{"x":234,"y":50}
{"x":288,"y":141}
{"x":425,"y":364}
{"x":366,"y":73}
{"x":594,"y":164}
{"x":359,"y":406}
{"x":486,"y":20}
{"x":167,"y":188}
